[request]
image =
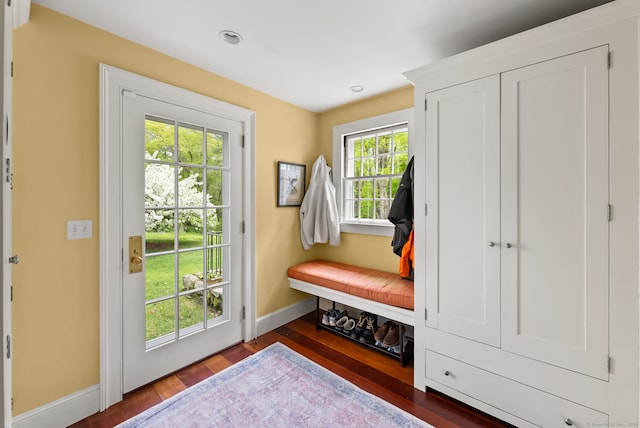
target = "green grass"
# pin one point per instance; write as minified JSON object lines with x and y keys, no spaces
{"x":160,"y":282}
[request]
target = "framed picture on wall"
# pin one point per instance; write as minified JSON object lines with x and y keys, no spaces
{"x":291,"y":184}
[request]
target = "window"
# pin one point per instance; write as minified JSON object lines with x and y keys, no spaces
{"x":370,"y":157}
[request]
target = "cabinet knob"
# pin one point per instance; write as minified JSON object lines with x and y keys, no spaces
{"x":568,"y":422}
{"x":446,"y":373}
{"x":508,"y":245}
{"x":492,"y":244}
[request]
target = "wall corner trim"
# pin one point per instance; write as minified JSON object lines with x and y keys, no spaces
{"x":282,"y":316}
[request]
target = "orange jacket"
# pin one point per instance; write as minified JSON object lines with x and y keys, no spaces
{"x":406,"y":258}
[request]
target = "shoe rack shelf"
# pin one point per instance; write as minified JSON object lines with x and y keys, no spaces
{"x":406,"y":349}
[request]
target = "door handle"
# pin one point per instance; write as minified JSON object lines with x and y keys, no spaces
{"x":135,"y":254}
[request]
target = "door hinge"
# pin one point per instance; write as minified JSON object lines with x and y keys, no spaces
{"x":426,"y":209}
{"x":243,"y":141}
{"x":242,"y":227}
{"x":8,"y":346}
{"x":425,"y":104}
{"x":609,"y":210}
{"x":11,"y":69}
{"x":244,"y":312}
{"x":610,"y":59}
{"x":425,"y":314}
{"x":9,"y":3}
{"x":11,"y":293}
{"x":9,"y":174}
{"x":609,"y":365}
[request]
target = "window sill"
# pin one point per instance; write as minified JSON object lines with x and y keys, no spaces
{"x":367,"y":229}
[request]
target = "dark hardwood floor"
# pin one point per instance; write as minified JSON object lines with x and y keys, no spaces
{"x":374,"y":372}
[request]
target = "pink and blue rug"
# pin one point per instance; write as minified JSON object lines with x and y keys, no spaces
{"x":275,"y":387}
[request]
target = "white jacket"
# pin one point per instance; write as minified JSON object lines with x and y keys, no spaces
{"x":319,"y":219}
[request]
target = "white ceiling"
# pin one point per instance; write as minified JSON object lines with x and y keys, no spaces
{"x":309,"y":52}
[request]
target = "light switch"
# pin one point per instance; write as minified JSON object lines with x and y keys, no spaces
{"x":79,"y":229}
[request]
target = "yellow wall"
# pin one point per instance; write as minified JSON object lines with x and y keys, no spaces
{"x":56,"y":178}
{"x":361,"y":250}
{"x":56,"y":158}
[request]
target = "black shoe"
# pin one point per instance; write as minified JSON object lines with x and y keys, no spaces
{"x":368,"y":335}
{"x":360,"y":325}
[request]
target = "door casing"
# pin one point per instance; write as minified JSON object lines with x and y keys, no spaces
{"x":114,"y":84}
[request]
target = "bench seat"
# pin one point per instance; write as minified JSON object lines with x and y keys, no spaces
{"x":378,"y":292}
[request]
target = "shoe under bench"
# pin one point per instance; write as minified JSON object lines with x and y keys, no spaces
{"x":347,"y":284}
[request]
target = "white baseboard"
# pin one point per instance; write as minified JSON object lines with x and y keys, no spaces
{"x":62,"y":412}
{"x":278,"y":318}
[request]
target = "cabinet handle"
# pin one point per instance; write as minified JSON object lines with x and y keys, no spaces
{"x":447,"y":373}
{"x":508,"y":245}
{"x":568,"y":422}
{"x":492,"y":244}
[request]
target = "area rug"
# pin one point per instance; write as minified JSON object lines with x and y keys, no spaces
{"x":275,"y":387}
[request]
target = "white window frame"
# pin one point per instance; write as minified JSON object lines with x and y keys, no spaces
{"x":339,"y":132}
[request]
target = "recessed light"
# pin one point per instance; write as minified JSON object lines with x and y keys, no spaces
{"x":230,"y":37}
{"x":356,"y":88}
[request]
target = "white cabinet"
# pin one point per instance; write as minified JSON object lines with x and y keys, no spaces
{"x":463,"y":166}
{"x":527,"y":254}
{"x":555,"y":199}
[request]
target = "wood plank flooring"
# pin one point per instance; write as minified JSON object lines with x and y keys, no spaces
{"x":374,"y":372}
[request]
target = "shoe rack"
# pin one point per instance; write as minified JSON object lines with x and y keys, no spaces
{"x":405,"y":343}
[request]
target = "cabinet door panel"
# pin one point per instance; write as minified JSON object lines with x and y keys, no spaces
{"x":463,"y":162}
{"x":554,"y":211}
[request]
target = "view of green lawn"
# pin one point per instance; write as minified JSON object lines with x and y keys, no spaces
{"x":160,"y":282}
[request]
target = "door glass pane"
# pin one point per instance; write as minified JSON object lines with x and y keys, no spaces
{"x":216,"y":186}
{"x":214,"y":256}
{"x":215,"y":300}
{"x":190,"y":140}
{"x":191,"y":311}
{"x":159,"y":185}
{"x":158,"y":231}
{"x":160,"y":319}
{"x":191,"y":266}
{"x":159,"y":139}
{"x":216,"y":153}
{"x":191,"y":227}
{"x":190,"y":187}
{"x":160,"y":277}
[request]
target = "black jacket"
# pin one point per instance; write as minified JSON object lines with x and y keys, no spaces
{"x":401,"y":211}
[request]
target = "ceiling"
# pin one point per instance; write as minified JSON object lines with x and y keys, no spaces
{"x":310,"y":52}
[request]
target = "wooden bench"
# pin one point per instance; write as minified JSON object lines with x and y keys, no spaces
{"x":380,"y":293}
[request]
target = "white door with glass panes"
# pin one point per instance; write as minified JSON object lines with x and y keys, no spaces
{"x":181,"y":234}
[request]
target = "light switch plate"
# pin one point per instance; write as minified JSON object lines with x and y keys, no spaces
{"x":79,"y":229}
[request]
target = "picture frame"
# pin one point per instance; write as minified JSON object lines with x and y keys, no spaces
{"x":291,"y":184}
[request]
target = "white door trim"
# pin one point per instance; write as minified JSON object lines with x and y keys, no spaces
{"x":6,"y":153}
{"x":113,"y":82}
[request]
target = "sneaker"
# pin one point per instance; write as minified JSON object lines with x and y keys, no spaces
{"x":360,"y":326}
{"x":325,"y":318}
{"x":333,"y":317}
{"x":341,"y":322}
{"x":368,"y":334}
{"x":392,"y":338}
{"x":349,"y":326}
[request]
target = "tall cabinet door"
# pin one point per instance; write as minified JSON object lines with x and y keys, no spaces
{"x":463,"y":200}
{"x":555,"y":229}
